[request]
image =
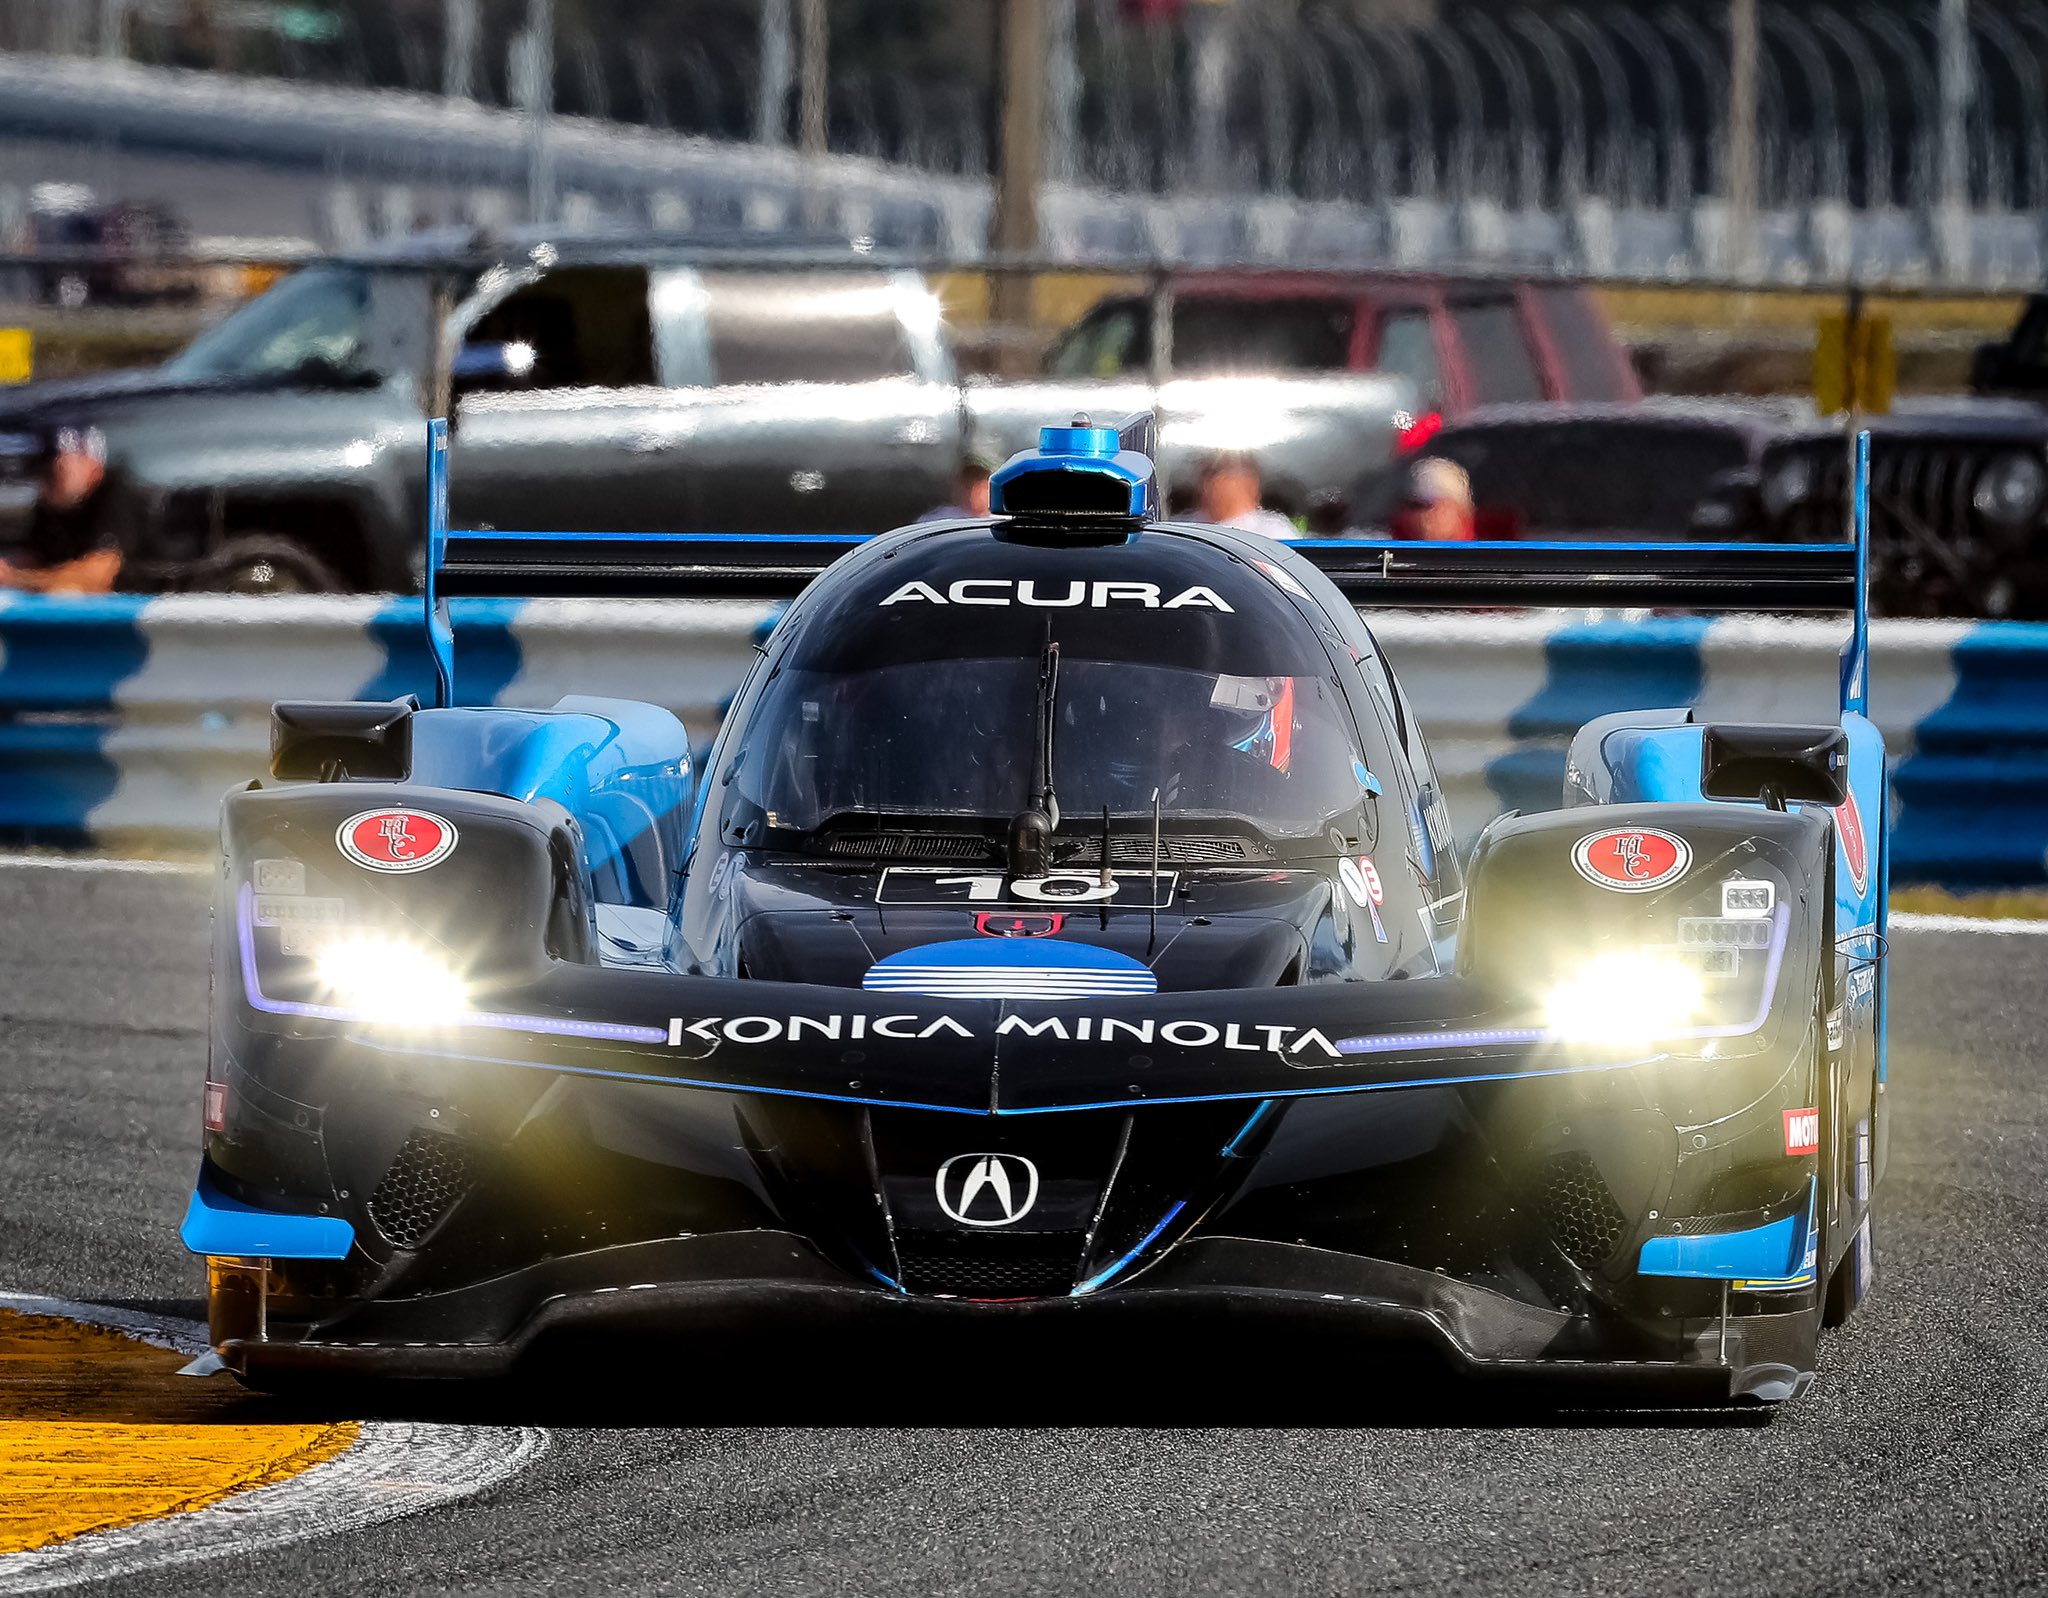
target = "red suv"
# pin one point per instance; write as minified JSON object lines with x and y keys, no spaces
{"x":1463,"y":342}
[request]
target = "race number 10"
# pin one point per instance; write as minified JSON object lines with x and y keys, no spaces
{"x":936,"y":885}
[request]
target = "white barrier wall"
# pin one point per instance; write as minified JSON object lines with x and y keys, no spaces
{"x":127,"y":715}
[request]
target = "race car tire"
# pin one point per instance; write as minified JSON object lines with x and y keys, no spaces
{"x":265,"y":563}
{"x":1849,"y":1282}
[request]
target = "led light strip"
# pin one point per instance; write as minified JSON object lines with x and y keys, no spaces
{"x":1509,"y":1037}
{"x":554,"y":1026}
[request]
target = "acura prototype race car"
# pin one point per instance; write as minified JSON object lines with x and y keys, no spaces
{"x":1066,"y":918}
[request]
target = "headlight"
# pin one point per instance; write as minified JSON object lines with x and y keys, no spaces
{"x":1787,"y":483}
{"x":1627,"y":997}
{"x":2010,"y":491}
{"x":385,"y":980}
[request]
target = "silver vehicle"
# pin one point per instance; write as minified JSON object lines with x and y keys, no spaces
{"x":602,"y":385}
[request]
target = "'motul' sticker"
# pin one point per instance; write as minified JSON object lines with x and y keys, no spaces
{"x":1631,"y":859}
{"x":396,"y":840}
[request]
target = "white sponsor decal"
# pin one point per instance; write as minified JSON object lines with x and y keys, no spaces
{"x":1361,"y":880}
{"x":278,"y":876}
{"x":1235,"y":1036}
{"x":1742,"y":897}
{"x":287,"y":910}
{"x":1007,"y":1185}
{"x":1723,"y":932}
{"x":1003,"y":591}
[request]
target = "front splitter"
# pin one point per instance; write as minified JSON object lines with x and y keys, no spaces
{"x":737,"y":1282}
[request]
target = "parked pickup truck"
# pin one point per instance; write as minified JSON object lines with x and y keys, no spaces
{"x":1958,"y":488}
{"x":610,"y":385}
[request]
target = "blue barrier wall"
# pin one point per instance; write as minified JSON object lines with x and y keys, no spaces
{"x":124,"y":715}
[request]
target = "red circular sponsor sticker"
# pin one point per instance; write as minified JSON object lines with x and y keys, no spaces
{"x":395,"y":840}
{"x":1631,"y":859}
{"x":1855,"y":847}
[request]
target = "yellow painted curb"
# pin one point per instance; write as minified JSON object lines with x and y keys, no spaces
{"x":98,"y":1430}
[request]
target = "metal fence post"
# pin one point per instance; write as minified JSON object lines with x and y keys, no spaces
{"x":1742,"y":143}
{"x":771,"y":94}
{"x":458,"y":49}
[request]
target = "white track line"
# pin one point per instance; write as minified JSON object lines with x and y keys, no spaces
{"x":1904,"y":922}
{"x":110,"y":864}
{"x":397,"y":1468}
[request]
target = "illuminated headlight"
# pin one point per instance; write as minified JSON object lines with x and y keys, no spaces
{"x":385,"y":980}
{"x":1627,"y":997}
{"x":1787,"y":483}
{"x":2010,"y":491}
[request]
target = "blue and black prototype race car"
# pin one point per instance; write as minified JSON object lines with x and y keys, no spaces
{"x":1066,"y":921}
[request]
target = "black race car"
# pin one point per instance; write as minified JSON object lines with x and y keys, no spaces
{"x":1066,"y":917}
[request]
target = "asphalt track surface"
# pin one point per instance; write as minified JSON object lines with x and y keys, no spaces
{"x":1200,"y":1464}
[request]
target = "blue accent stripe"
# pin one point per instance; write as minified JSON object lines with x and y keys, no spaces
{"x":1014,"y":953}
{"x":440,"y":631}
{"x":1483,"y":545}
{"x":1772,"y":1253}
{"x":216,"y":1224}
{"x":1146,"y":1242}
{"x":419,"y":1051}
{"x":1238,"y":1137}
{"x":1010,"y":968}
{"x":458,"y":534}
{"x":1856,"y":653}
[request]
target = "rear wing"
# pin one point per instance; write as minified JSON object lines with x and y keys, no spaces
{"x":1405,"y":574}
{"x":1634,"y":576}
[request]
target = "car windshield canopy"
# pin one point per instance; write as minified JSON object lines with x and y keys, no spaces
{"x":907,"y":709}
{"x":315,"y":317}
{"x":956,"y":740}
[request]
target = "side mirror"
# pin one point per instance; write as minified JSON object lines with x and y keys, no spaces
{"x":313,"y":740}
{"x":1731,"y":506}
{"x":1990,"y":367}
{"x":492,"y":365}
{"x":1779,"y":765}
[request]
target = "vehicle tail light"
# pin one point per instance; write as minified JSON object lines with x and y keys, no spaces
{"x":1419,"y":432}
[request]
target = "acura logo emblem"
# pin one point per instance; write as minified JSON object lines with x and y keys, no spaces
{"x":987,"y":1189}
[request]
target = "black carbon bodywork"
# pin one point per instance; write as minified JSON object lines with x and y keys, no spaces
{"x":1336,"y":1103}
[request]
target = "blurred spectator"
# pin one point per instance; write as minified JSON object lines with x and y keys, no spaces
{"x":1230,"y":490}
{"x":1439,"y":505}
{"x":1328,"y":509}
{"x":970,"y":491}
{"x":75,"y":535}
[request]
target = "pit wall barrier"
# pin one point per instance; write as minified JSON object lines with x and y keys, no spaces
{"x":127,"y":718}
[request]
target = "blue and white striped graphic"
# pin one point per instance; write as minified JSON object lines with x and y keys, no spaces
{"x":127,"y":715}
{"x":1010,"y":968}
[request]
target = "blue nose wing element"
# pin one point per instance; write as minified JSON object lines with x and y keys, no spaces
{"x":1010,"y":968}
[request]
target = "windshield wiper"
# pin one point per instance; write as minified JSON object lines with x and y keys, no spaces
{"x":1031,"y":829}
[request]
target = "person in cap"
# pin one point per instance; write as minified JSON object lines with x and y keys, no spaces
{"x":1439,"y":506}
{"x":1230,"y":496}
{"x":79,"y":528}
{"x":970,"y":491}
